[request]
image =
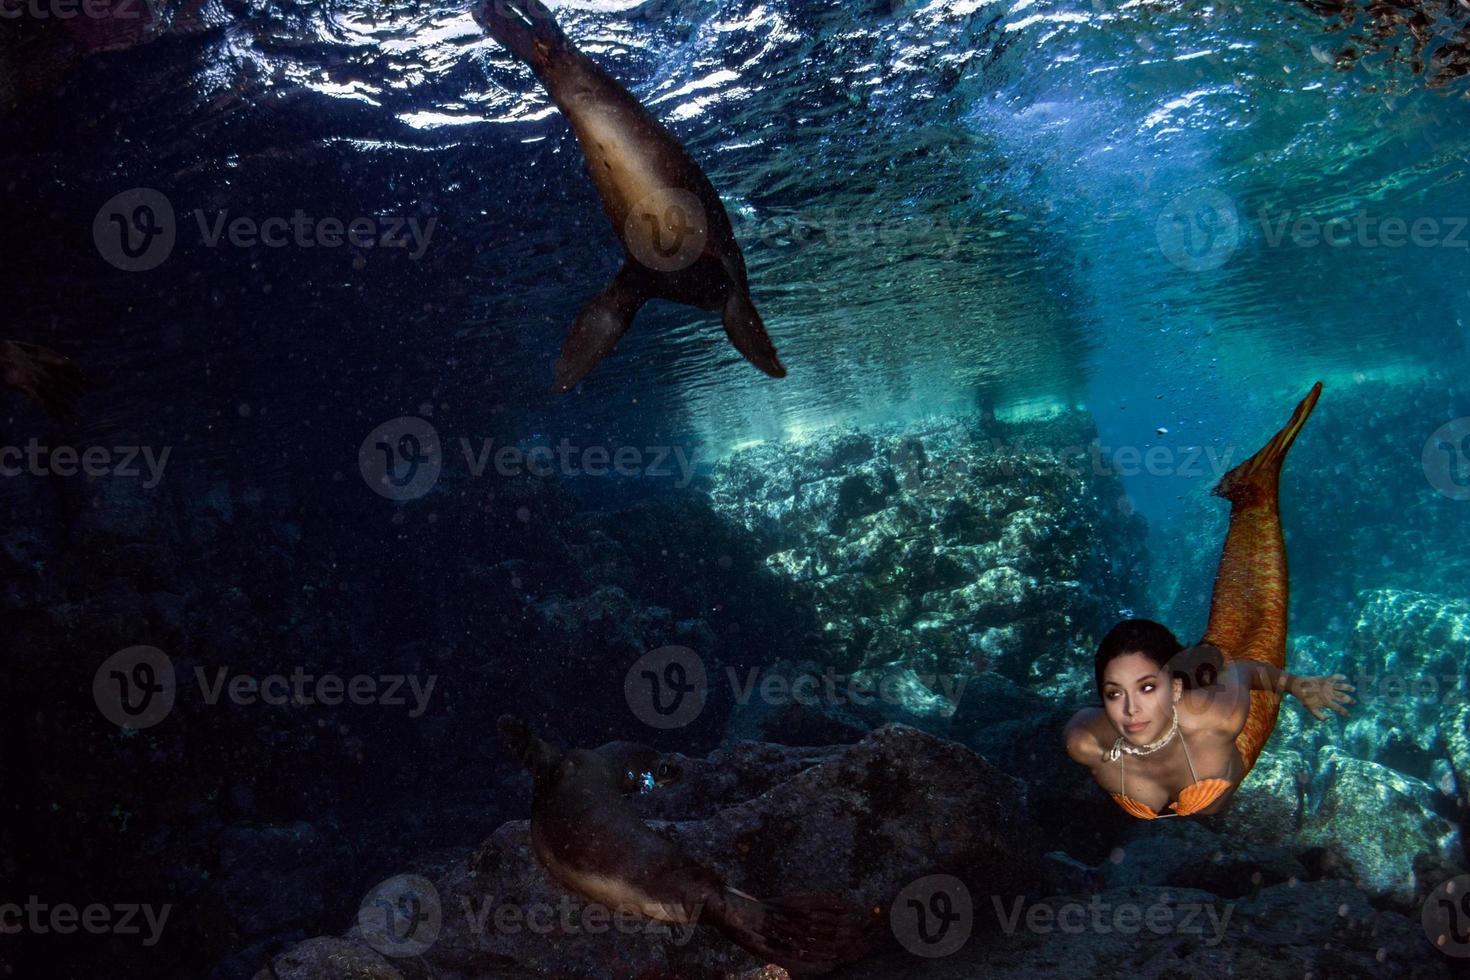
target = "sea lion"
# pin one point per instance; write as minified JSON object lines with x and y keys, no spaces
{"x":49,"y":379}
{"x":591,"y":841}
{"x":677,"y":240}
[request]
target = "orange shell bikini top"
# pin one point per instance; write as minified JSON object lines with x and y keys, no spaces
{"x":1192,"y":798}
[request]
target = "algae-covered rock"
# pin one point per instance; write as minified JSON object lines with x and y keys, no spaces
{"x":862,"y":821}
{"x":1381,"y":822}
{"x":953,"y":549}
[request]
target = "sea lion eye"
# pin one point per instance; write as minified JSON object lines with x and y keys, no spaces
{"x":663,"y":769}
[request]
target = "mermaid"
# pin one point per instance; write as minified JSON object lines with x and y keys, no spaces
{"x":1207,"y":710}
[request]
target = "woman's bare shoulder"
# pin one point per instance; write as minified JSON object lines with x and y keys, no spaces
{"x":1220,"y":710}
{"x":1084,"y":735}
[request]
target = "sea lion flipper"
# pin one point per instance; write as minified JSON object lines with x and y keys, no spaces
{"x":800,"y":933}
{"x":49,"y":379}
{"x":599,"y":327}
{"x":526,"y":28}
{"x":533,"y":753}
{"x":746,"y":331}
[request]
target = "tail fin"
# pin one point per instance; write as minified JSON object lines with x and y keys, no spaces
{"x":521,"y":742}
{"x":746,"y":331}
{"x":1255,"y":480}
{"x":526,"y":28}
{"x":799,"y":933}
{"x":599,"y":327}
{"x":49,"y":379}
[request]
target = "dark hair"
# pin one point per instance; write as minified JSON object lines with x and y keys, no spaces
{"x":1153,"y":640}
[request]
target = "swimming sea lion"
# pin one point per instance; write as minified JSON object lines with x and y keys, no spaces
{"x":49,"y":379}
{"x":677,"y":240}
{"x":591,"y":841}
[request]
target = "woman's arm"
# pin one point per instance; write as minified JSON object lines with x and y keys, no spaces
{"x":1315,"y":693}
{"x":1080,"y":735}
{"x":1259,"y":676}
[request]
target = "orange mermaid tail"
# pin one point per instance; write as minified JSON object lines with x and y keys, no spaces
{"x":1248,"y":608}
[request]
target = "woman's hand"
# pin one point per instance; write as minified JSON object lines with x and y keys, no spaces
{"x":1316,"y":693}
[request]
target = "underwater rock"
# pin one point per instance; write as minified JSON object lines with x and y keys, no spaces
{"x":943,"y":549}
{"x":1286,"y":931}
{"x":1331,"y":927}
{"x":1189,"y":854}
{"x":862,"y":821}
{"x":326,"y":958}
{"x":1457,"y":744}
{"x":792,"y":716}
{"x":1409,"y":657}
{"x":1270,"y":807}
{"x":1029,"y":746}
{"x":1382,"y":823}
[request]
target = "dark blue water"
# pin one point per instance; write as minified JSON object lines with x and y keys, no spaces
{"x":1087,"y":256}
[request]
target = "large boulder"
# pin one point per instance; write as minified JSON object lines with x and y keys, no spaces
{"x":1385,"y":824}
{"x":1409,"y":657}
{"x":862,"y":821}
{"x":955,"y":549}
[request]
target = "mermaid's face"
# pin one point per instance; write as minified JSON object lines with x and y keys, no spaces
{"x":1138,"y":701}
